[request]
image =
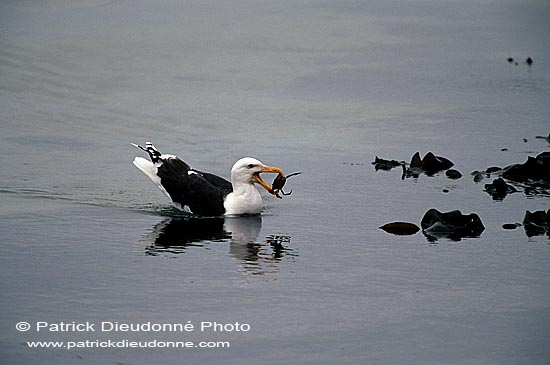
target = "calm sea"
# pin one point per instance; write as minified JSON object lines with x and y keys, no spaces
{"x":318,"y":87}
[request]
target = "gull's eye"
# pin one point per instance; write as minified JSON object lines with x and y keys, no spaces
{"x":251,"y":165}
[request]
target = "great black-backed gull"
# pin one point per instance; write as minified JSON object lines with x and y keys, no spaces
{"x":206,"y":194}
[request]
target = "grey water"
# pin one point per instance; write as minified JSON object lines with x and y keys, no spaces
{"x":318,"y":87}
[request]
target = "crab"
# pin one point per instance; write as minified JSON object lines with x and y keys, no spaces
{"x":279,"y":183}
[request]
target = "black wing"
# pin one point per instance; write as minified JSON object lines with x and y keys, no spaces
{"x":202,"y":192}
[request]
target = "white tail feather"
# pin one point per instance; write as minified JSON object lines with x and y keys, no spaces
{"x":149,"y":169}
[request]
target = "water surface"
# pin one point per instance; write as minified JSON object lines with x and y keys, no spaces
{"x":319,"y":88}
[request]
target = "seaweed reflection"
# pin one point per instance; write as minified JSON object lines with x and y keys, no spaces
{"x":176,"y":235}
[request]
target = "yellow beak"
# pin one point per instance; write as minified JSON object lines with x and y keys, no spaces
{"x":270,"y":169}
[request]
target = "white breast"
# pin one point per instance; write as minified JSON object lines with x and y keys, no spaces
{"x":246,"y":200}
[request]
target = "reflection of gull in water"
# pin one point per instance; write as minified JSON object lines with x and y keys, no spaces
{"x":244,"y":231}
{"x":255,"y":257}
{"x":174,"y":236}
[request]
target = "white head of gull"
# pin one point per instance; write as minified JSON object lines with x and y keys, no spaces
{"x":245,"y":198}
{"x":203,"y":193}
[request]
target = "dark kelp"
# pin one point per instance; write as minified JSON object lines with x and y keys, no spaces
{"x":453,"y":225}
{"x":382,"y":164}
{"x":400,"y":228}
{"x":537,"y":223}
{"x":498,"y":189}
{"x":534,"y":169}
